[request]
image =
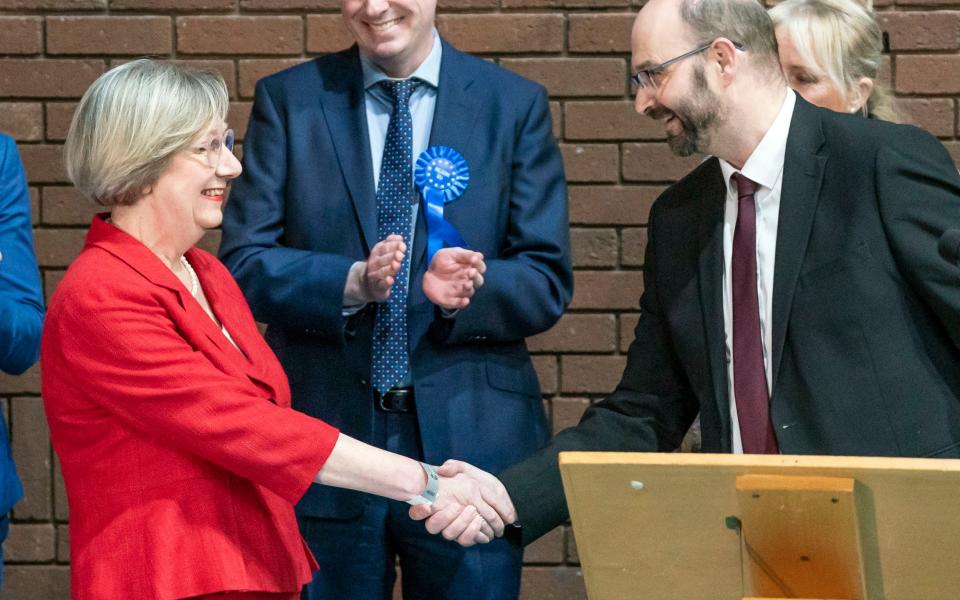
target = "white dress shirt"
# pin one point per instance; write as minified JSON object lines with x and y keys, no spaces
{"x":765,"y":168}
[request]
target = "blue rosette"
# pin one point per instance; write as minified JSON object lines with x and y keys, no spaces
{"x":442,"y":175}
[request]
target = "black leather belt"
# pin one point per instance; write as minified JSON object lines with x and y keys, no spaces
{"x":397,"y":400}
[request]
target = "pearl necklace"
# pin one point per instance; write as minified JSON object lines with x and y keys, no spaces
{"x":194,"y":280}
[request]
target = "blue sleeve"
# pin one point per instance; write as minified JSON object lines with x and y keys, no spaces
{"x":284,"y":286}
{"x":21,"y":295}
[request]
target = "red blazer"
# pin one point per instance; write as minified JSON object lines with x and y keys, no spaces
{"x":181,"y":456}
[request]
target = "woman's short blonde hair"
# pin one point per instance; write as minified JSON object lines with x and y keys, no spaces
{"x":131,"y":122}
{"x":842,"y":38}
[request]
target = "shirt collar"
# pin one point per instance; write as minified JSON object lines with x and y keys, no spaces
{"x":428,"y":71}
{"x":765,"y":163}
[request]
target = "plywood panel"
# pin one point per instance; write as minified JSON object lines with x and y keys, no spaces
{"x":656,"y":526}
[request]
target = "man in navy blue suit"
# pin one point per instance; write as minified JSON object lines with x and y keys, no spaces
{"x":415,"y":352}
{"x":21,"y":305}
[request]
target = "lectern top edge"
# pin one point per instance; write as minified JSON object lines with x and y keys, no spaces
{"x":755,"y":460}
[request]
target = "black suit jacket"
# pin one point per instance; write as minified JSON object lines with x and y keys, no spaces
{"x":866,"y":315}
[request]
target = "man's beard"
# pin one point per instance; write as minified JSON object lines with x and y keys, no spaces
{"x":698,"y":114}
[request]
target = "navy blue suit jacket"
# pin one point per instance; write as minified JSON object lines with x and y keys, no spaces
{"x":304,"y":211}
{"x":21,"y":298}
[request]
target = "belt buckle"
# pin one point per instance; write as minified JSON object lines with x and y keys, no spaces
{"x":392,"y":405}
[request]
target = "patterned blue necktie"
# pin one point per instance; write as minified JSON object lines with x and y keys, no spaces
{"x":394,"y":195}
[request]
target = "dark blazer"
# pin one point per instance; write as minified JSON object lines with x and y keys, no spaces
{"x":866,"y":314}
{"x":21,"y":297}
{"x":304,"y":211}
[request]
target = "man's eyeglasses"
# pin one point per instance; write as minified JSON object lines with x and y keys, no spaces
{"x":648,"y":78}
{"x":212,"y":151}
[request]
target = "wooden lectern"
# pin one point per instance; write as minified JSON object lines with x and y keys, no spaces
{"x":752,"y":527}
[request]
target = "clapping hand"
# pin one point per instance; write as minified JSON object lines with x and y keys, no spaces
{"x":382,"y":267}
{"x":472,"y":505}
{"x":454,"y":276}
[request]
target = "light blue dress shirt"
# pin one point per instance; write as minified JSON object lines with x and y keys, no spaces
{"x":379,"y":105}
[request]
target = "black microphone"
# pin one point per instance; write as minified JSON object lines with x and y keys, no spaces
{"x":949,"y":246}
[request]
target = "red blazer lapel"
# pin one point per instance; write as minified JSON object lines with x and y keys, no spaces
{"x":254,"y":361}
{"x":255,"y":358}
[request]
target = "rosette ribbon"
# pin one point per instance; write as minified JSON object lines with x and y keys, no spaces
{"x":442,"y":175}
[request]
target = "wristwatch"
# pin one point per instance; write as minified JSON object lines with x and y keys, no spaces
{"x":429,"y":493}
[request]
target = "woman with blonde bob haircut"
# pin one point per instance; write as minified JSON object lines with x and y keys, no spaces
{"x":830,"y":52}
{"x":171,"y":416}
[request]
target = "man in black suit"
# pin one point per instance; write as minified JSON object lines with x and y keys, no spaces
{"x":793,"y":294}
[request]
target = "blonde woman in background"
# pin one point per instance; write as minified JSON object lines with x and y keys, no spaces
{"x":830,"y":53}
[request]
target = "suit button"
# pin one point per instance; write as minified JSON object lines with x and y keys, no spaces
{"x":363,"y":381}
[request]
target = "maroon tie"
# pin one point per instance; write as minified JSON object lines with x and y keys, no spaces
{"x":749,"y":378}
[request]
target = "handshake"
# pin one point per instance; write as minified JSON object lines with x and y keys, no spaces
{"x":472,"y":506}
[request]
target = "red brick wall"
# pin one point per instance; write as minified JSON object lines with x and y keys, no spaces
{"x":50,"y":51}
